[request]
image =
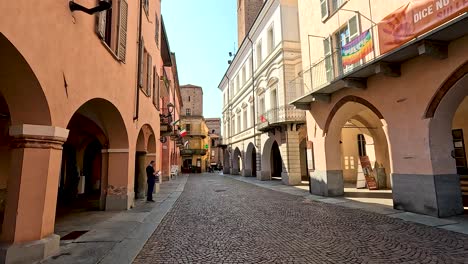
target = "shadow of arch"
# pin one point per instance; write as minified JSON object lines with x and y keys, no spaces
{"x":271,"y":160}
{"x":21,"y":89}
{"x":250,"y":166}
{"x":227,"y":162}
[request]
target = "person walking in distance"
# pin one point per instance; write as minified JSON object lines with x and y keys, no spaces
{"x":151,"y":180}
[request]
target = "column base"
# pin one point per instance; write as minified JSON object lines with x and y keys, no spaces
{"x":289,"y":179}
{"x":234,"y":172}
{"x":226,"y":171}
{"x":327,"y":183}
{"x":264,"y":175}
{"x":247,"y":173}
{"x":119,"y":202}
{"x":30,"y":252}
{"x":435,"y":195}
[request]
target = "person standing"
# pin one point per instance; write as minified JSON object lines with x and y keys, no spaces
{"x":151,"y":180}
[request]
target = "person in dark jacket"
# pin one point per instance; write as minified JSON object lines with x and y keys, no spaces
{"x":151,"y":180}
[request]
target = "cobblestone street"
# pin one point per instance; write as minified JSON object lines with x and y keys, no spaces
{"x":221,"y":220}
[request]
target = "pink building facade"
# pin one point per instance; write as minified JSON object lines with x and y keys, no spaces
{"x":80,"y":102}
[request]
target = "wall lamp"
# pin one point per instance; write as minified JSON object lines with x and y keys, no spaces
{"x":102,"y":6}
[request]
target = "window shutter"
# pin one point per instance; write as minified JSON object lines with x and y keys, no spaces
{"x":327,"y":47}
{"x":123,"y":22}
{"x":156,"y":88}
{"x":101,"y":24}
{"x":157,"y":30}
{"x":324,"y":8}
{"x":140,"y":63}
{"x":353,"y":27}
{"x":150,"y":74}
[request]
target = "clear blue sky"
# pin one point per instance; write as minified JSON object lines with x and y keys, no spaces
{"x":202,"y":33}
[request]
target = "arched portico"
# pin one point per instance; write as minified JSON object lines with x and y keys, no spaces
{"x":237,"y":163}
{"x":227,"y":162}
{"x":351,"y":118}
{"x":30,"y":153}
{"x":145,"y":152}
{"x":250,"y":166}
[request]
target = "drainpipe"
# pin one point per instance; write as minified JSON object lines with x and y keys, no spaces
{"x":137,"y":96}
{"x":253,"y":90}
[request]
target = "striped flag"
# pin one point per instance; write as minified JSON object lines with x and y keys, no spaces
{"x":186,"y":144}
{"x":183,"y":132}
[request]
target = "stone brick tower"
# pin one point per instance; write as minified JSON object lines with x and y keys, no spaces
{"x":247,"y":11}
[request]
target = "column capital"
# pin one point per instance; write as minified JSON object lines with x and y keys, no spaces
{"x":37,"y":136}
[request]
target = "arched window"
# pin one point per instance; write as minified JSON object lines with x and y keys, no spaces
{"x":361,"y":145}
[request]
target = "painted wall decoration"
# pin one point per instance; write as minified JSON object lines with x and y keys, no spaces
{"x":415,"y":18}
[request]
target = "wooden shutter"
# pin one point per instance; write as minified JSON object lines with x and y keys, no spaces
{"x":327,"y":48}
{"x":157,"y":30}
{"x":101,"y":24}
{"x":155,"y":88}
{"x":123,"y":22}
{"x":324,"y":8}
{"x":149,"y":75}
{"x":141,"y":63}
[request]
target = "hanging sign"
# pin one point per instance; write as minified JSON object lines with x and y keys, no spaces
{"x":415,"y":18}
{"x":357,"y":49}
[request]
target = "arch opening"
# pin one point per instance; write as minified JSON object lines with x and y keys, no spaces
{"x":94,"y":161}
{"x":237,"y":165}
{"x":357,"y":147}
{"x":250,"y":161}
{"x":448,"y":138}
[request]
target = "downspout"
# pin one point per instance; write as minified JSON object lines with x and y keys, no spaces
{"x":253,"y":91}
{"x":137,"y":97}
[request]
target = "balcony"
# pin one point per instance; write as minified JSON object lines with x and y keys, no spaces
{"x":197,"y":133}
{"x":279,"y":116}
{"x":165,"y":121}
{"x":191,"y":152}
{"x":328,"y":74}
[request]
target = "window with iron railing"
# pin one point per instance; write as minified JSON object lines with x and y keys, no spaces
{"x":329,"y":7}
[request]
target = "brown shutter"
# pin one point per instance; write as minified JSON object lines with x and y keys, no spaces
{"x":157,"y":30}
{"x":123,"y":21}
{"x":140,"y":63}
{"x":150,"y":74}
{"x":155,"y":88}
{"x":101,"y":24}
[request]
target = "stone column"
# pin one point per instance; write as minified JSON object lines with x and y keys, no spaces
{"x":28,"y":227}
{"x":140,"y":165}
{"x":118,"y":195}
{"x":290,"y":153}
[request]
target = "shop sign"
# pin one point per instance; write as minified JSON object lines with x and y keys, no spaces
{"x":415,"y":18}
{"x":368,"y":173}
{"x":357,"y":49}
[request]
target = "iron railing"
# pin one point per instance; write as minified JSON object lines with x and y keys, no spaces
{"x":189,"y":152}
{"x":283,"y":114}
{"x":165,"y":117}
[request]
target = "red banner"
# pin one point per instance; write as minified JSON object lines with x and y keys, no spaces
{"x":416,"y":18}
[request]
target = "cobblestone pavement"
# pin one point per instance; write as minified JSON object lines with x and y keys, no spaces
{"x":221,"y":220}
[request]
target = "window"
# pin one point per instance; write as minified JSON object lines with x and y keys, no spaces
{"x":111,"y":27}
{"x":189,"y":98}
{"x":252,"y":114}
{"x":146,"y":75}
{"x":262,"y":105}
{"x":213,"y":153}
{"x":213,"y":144}
{"x":237,"y":84}
{"x":328,"y":59}
{"x":328,"y":7}
{"x":342,"y":37}
{"x":187,"y":127}
{"x":245,"y":118}
{"x":155,"y":88}
{"x":250,"y":62}
{"x":271,"y":40}
{"x":188,"y":112}
{"x":233,"y":126}
{"x":239,"y":129}
{"x":259,"y":53}
{"x":274,"y":99}
{"x":243,"y":75}
{"x":361,"y":145}
{"x":157,"y":25}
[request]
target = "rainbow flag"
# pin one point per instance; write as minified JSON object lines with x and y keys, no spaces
{"x":357,"y":48}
